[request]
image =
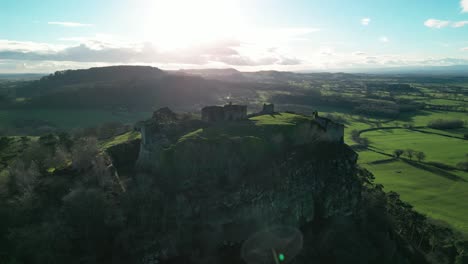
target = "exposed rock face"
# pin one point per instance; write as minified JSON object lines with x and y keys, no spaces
{"x":215,"y":203}
{"x":125,"y":155}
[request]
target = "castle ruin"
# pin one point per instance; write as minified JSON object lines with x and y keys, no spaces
{"x":268,"y":109}
{"x":229,"y":112}
{"x":334,"y":132}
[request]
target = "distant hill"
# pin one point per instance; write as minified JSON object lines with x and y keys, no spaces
{"x":455,"y":70}
{"x":276,"y":77}
{"x":127,"y":87}
{"x":229,"y":74}
{"x":21,"y":76}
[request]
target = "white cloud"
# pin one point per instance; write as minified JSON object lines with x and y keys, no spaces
{"x":435,"y":23}
{"x":228,"y":51}
{"x":28,"y":46}
{"x":326,"y":51}
{"x":460,"y":24}
{"x":464,"y":5}
{"x":359,"y":53}
{"x":365,"y":21}
{"x":69,"y":24}
{"x":384,"y":39}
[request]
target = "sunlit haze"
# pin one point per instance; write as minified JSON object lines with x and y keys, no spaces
{"x":44,"y":36}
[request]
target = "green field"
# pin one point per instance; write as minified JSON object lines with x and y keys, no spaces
{"x":431,"y":193}
{"x":438,"y":193}
{"x":437,"y":148}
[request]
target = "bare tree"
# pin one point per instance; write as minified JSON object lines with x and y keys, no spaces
{"x":84,"y":152}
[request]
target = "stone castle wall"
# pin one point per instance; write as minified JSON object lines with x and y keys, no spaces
{"x":228,"y":112}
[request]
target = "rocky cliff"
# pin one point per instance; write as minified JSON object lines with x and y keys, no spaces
{"x":218,"y":189}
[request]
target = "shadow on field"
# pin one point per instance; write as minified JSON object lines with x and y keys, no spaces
{"x":383,"y":161}
{"x":434,"y":170}
{"x":422,"y":166}
{"x":409,"y":117}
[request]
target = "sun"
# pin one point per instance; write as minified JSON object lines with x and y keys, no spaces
{"x":173,"y":24}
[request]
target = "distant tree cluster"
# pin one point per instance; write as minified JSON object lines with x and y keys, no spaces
{"x":446,"y":123}
{"x":410,"y":153}
{"x":380,"y":108}
{"x":390,"y":87}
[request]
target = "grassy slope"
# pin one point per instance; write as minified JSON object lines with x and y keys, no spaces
{"x":107,"y":143}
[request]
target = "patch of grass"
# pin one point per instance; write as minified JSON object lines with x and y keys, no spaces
{"x":132,"y":135}
{"x":280,"y":119}
{"x":264,"y":126}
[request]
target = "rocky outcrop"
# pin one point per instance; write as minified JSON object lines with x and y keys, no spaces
{"x":125,"y":155}
{"x":229,"y":202}
{"x":158,"y":133}
{"x":215,"y":192}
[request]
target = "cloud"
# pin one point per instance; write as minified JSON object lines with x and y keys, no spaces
{"x":365,"y":21}
{"x":460,"y":24}
{"x":384,"y":39}
{"x":435,"y":23}
{"x":28,"y":46}
{"x":69,"y":24}
{"x":359,"y":53}
{"x":228,"y":51}
{"x":464,"y":5}
{"x":326,"y":51}
{"x":464,"y":49}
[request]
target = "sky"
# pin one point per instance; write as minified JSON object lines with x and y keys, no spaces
{"x":295,"y":35}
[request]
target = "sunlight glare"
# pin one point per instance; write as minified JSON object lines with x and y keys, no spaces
{"x":181,"y":23}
